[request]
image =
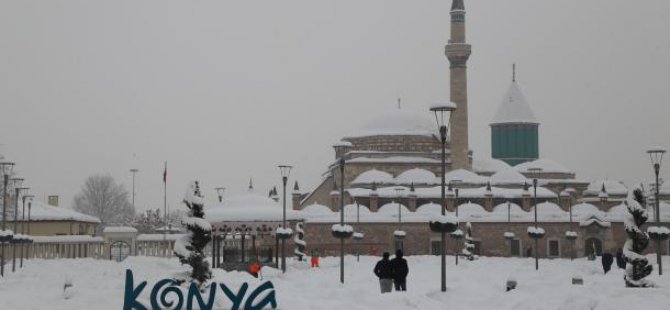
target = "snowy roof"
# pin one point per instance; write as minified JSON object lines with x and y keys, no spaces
{"x":514,"y":108}
{"x":158,"y":237}
{"x":586,"y":210}
{"x":547,"y":166}
{"x":665,"y":188}
{"x":398,"y":122}
{"x":249,"y":207}
{"x":391,"y":208}
{"x":508,"y":176}
{"x":488,"y":165}
{"x":611,"y":187}
{"x":43,"y":212}
{"x":373,"y":176}
{"x":67,"y":239}
{"x":463,"y":193}
{"x":416,"y":176}
{"x":464,"y":176}
{"x":548,"y":211}
{"x":316,"y":209}
{"x":429,"y":208}
{"x":515,"y":211}
{"x":393,"y":159}
{"x":119,"y":229}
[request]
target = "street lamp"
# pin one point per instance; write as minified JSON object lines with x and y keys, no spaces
{"x":341,"y":231}
{"x":23,"y":223}
{"x":535,"y":232}
{"x":570,"y":235}
{"x":285,"y":171}
{"x":442,"y":113}
{"x":134,"y":171}
{"x":399,"y":234}
{"x":6,"y":170}
{"x":457,"y":235}
{"x":219,"y":192}
{"x":17,"y":187}
{"x":509,"y":234}
{"x":358,"y":236}
{"x":656,"y":156}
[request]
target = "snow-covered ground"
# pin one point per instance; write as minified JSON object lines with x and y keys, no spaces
{"x":480,"y":284}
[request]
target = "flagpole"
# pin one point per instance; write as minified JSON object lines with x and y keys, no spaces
{"x":165,"y":202}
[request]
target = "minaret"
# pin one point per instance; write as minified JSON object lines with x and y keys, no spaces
{"x":458,"y":52}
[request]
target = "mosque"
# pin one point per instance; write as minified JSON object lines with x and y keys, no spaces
{"x":392,"y":181}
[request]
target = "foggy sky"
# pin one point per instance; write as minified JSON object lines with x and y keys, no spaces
{"x":226,"y":90}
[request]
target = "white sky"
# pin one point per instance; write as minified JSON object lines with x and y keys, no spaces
{"x":226,"y":90}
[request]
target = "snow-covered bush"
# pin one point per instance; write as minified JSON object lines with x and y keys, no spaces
{"x":535,"y":232}
{"x":399,"y":234}
{"x":469,"y":249}
{"x":443,"y":223}
{"x":299,"y":241}
{"x":342,"y":231}
{"x":189,"y":248}
{"x":283,"y":233}
{"x":571,"y":235}
{"x":638,"y":265}
{"x":658,"y":233}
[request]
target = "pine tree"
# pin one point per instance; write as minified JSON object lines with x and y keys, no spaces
{"x":189,"y":249}
{"x":469,"y":243}
{"x":638,"y":265}
{"x":299,"y":240}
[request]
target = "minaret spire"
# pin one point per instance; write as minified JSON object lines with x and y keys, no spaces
{"x":458,"y":52}
{"x":513,"y":72}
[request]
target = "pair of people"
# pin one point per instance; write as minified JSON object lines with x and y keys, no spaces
{"x":392,"y":272}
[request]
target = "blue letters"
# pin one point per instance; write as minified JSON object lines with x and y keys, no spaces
{"x":130,"y":296}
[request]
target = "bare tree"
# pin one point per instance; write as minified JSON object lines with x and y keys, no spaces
{"x":102,"y":197}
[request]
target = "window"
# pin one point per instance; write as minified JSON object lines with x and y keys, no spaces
{"x":554,"y":249}
{"x":516,"y":247}
{"x":435,"y":247}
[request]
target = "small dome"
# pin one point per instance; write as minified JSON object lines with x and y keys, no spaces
{"x":429,"y":208}
{"x":611,"y":187}
{"x":391,"y":208}
{"x":317,"y":209}
{"x":548,"y":211}
{"x":464,"y":176}
{"x":373,"y":176}
{"x":350,"y":210}
{"x":586,"y":210}
{"x":489,"y":165}
{"x":547,"y":166}
{"x":514,"y":210}
{"x":398,"y":122}
{"x":416,"y":176}
{"x":508,"y":176}
{"x":471,"y":209}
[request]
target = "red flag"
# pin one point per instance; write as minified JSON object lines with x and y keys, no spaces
{"x":165,"y":173}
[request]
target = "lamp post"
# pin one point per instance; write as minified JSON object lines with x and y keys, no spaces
{"x":134,"y":171}
{"x":6,"y":170}
{"x":17,"y":187}
{"x":342,"y":232}
{"x":219,"y":192}
{"x":656,"y":156}
{"x":399,"y":234}
{"x":442,"y":113}
{"x":536,"y":235}
{"x":358,"y":236}
{"x":459,"y":236}
{"x":23,"y":222}
{"x":285,"y":171}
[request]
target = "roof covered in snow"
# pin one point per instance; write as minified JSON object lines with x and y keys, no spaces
{"x":514,"y":108}
{"x":508,"y":176}
{"x":373,"y":176}
{"x":464,"y":176}
{"x":398,"y":122}
{"x":416,"y":176}
{"x":488,"y":165}
{"x":547,"y":166}
{"x":611,"y":187}
{"x":43,"y":212}
{"x":393,"y":159}
{"x":249,"y":207}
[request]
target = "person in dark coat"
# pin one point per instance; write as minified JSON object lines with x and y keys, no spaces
{"x":400,"y":271}
{"x":383,"y":270}
{"x":607,"y":260}
{"x":620,"y":260}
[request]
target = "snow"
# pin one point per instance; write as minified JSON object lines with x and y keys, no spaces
{"x":489,"y":165}
{"x":611,"y":187}
{"x":358,"y":235}
{"x":342,"y":143}
{"x":535,"y":230}
{"x":448,"y":106}
{"x":463,"y":176}
{"x":197,"y":222}
{"x":457,"y":233}
{"x":547,"y":166}
{"x":119,"y":229}
{"x":571,"y":234}
{"x":67,"y":239}
{"x":391,"y":209}
{"x":444,"y":219}
{"x":508,"y":177}
{"x":478,"y":284}
{"x":316,"y":210}
{"x":429,"y":208}
{"x":284,"y":231}
{"x":180,"y":245}
{"x":373,"y":176}
{"x":394,"y":160}
{"x":342,"y":228}
{"x":159,"y":237}
{"x":658,"y":230}
{"x":514,"y":108}
{"x":5,"y":233}
{"x":416,"y":176}
{"x":40,"y":211}
{"x":399,"y":233}
{"x":396,"y":122}
{"x":249,"y":207}
{"x":508,"y":234}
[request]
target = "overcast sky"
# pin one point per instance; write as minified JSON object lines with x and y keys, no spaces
{"x":226,"y":90}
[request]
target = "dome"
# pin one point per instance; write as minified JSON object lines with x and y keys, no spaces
{"x":514,"y":209}
{"x":250,"y":206}
{"x":398,"y":122}
{"x":317,"y":209}
{"x":416,"y":176}
{"x":547,"y":166}
{"x":549,"y":210}
{"x":464,"y":176}
{"x":471,"y":209}
{"x":391,"y":208}
{"x":585,"y":210}
{"x":611,"y":187}
{"x":489,"y":165}
{"x":514,"y":108}
{"x":508,"y":176}
{"x":350,"y":210}
{"x":373,"y":176}
{"x":429,"y":208}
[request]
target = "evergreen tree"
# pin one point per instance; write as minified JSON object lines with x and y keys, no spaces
{"x":638,"y":265}
{"x":469,"y":243}
{"x":189,"y":249}
{"x":299,"y":240}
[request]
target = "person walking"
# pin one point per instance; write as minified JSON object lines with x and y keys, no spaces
{"x":315,"y":259}
{"x":400,"y":270}
{"x":384,"y":272}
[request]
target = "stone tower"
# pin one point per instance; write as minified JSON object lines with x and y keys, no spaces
{"x":458,"y":52}
{"x":514,"y":128}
